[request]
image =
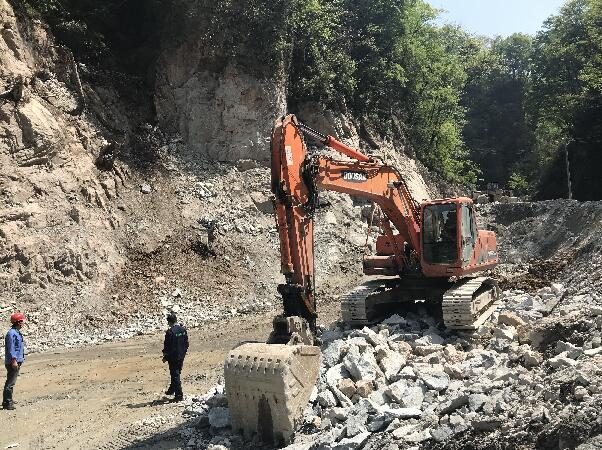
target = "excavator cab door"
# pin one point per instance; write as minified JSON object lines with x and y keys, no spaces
{"x":468,"y":233}
{"x":440,"y":233}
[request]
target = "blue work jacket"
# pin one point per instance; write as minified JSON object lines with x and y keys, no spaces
{"x":13,"y":347}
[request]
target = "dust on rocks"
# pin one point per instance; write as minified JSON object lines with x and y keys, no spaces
{"x":100,"y":237}
{"x":492,"y":384}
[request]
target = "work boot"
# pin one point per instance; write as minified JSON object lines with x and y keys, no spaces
{"x":169,"y":392}
{"x":178,"y":399}
{"x":9,"y":406}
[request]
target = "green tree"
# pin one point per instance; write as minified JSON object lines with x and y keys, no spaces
{"x":566,"y":100}
{"x":497,"y":131}
{"x":320,"y":66}
{"x":109,"y":33}
{"x":392,"y":67}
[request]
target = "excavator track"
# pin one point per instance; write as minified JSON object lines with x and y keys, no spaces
{"x":465,"y":306}
{"x":469,"y":304}
{"x":354,"y":309}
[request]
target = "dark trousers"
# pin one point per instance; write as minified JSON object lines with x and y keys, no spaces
{"x":175,"y":369}
{"x":11,"y":379}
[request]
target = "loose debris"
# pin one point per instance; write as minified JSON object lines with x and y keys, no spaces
{"x":524,"y":379}
{"x":532,"y":377}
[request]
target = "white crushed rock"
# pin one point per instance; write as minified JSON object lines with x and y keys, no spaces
{"x":500,"y":382}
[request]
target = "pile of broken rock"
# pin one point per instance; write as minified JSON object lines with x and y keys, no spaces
{"x":409,"y":382}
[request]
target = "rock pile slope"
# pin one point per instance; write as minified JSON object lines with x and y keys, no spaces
{"x":408,"y":383}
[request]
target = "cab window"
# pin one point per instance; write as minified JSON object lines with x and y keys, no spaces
{"x":440,"y":233}
{"x":468,"y":233}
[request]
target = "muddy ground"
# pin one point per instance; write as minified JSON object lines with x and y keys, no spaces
{"x":85,"y":398}
{"x":109,"y":396}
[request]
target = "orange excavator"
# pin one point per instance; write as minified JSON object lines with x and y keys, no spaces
{"x":424,"y":252}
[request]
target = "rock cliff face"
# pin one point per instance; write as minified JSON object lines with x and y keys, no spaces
{"x":105,"y":216}
{"x":221,"y":110}
{"x":56,"y":215}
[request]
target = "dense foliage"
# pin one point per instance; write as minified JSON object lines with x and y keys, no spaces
{"x":109,"y":32}
{"x":566,"y":100}
{"x":534,"y":99}
{"x":497,"y":131}
{"x":509,"y":106}
{"x":389,"y":64}
{"x":384,"y":60}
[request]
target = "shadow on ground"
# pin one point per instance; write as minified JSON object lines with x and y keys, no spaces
{"x":158,"y":402}
{"x":192,"y":435}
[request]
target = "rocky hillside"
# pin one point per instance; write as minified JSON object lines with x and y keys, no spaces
{"x":109,"y":210}
{"x":59,"y":203}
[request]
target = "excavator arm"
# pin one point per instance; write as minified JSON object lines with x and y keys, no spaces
{"x":294,"y":205}
{"x":296,"y":179}
{"x":268,"y":384}
{"x":378,"y":182}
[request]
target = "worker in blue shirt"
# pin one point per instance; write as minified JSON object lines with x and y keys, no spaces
{"x":14,"y":355}
{"x":174,"y":351}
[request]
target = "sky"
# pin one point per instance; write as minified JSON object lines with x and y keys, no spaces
{"x":497,"y":17}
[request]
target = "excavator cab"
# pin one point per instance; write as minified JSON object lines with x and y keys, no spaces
{"x":440,"y":233}
{"x":451,"y":243}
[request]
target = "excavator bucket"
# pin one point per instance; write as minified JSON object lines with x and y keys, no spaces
{"x":267,"y":386}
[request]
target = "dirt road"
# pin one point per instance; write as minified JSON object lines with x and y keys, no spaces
{"x":109,"y":396}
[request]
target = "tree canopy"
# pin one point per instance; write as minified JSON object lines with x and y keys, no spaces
{"x":500,"y":109}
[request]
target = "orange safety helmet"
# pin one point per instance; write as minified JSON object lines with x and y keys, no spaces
{"x":17,"y":317}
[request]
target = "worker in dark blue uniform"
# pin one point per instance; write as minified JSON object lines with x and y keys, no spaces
{"x":175,"y":347}
{"x":14,"y":355}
